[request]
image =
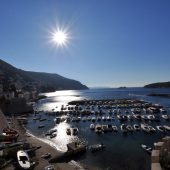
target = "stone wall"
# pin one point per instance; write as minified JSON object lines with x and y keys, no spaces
{"x":160,"y":148}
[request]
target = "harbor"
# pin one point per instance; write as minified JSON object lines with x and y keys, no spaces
{"x":99,"y":121}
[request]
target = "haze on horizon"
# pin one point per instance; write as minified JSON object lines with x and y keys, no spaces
{"x":111,"y":44}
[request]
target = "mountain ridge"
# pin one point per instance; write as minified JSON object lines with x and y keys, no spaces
{"x":42,"y":81}
{"x":158,"y":85}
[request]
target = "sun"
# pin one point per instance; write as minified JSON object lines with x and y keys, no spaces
{"x":60,"y":37}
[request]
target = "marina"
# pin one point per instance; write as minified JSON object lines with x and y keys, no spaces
{"x":120,"y":124}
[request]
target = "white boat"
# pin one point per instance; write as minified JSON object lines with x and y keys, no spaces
{"x":166,"y":117}
{"x":145,"y":128}
{"x":92,"y":126}
{"x":151,"y":117}
{"x":136,"y":127}
{"x":167,"y":127}
{"x":98,"y":129}
{"x":130,"y":117}
{"x":161,"y":128}
{"x":146,"y":148}
{"x":152,"y":129}
{"x":23,"y":159}
{"x":129,"y":128}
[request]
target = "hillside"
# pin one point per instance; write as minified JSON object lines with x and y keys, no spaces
{"x":158,"y":85}
{"x":43,"y":82}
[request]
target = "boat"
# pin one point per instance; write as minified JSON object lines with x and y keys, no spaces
{"x":89,"y":118}
{"x":42,"y":119}
{"x":115,"y":129}
{"x":145,"y":128}
{"x":68,"y":131}
{"x":147,"y":148}
{"x":75,"y":131}
{"x":104,"y":128}
{"x":109,"y":127}
{"x":129,"y":128}
{"x":123,"y":128}
{"x":151,"y":117}
{"x":137,"y":116}
{"x":23,"y":159}
{"x":93,"y":119}
{"x":108,"y":118}
{"x":103,"y":118}
{"x":144,"y":117}
{"x":41,"y":126}
{"x":130,"y":117}
{"x":166,"y":117}
{"x":161,"y":128}
{"x":57,"y":120}
{"x":136,"y":127}
{"x":53,"y":135}
{"x":50,"y":132}
{"x":96,"y":147}
{"x":92,"y":126}
{"x":99,"y":118}
{"x":167,"y":127}
{"x":98,"y":129}
{"x":152,"y":129}
{"x":84,"y":119}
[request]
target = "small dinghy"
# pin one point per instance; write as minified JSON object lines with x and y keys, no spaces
{"x":96,"y":147}
{"x":147,"y":148}
{"x":23,"y":159}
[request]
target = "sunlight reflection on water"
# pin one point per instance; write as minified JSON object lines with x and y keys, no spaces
{"x":62,"y":138}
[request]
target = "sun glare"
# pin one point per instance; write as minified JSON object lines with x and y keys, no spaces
{"x":60,"y":37}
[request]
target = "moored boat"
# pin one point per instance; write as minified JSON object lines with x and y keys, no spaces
{"x":161,"y":128}
{"x":92,"y":126}
{"x":136,"y":127}
{"x":147,"y":148}
{"x":23,"y":159}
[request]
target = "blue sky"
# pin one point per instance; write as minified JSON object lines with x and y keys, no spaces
{"x":113,"y":43}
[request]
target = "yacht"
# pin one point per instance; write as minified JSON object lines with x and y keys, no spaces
{"x":166,"y":117}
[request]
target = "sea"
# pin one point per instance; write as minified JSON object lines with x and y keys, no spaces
{"x":122,"y":152}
